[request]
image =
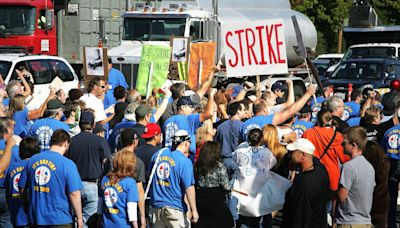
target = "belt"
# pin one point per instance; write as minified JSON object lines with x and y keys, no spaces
{"x":90,"y":180}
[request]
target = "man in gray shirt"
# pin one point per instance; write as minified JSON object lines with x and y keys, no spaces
{"x":357,"y":183}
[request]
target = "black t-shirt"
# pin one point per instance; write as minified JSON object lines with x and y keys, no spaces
{"x":306,"y":200}
{"x":140,"y":170}
{"x":88,"y":151}
{"x":146,"y":152}
{"x":376,"y":132}
{"x":342,"y":124}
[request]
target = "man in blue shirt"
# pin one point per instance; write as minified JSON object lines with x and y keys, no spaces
{"x":43,"y":128}
{"x":173,"y":178}
{"x":187,"y":120}
{"x":262,"y":117}
{"x":352,"y":108}
{"x":52,"y":184}
{"x":303,"y":121}
{"x":115,"y":78}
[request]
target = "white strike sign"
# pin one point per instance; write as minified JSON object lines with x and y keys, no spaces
{"x":255,"y":48}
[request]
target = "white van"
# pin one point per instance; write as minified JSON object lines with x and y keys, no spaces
{"x":43,"y":69}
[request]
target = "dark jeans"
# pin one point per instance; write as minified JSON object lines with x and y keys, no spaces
{"x":248,"y":222}
{"x":5,"y":219}
{"x":394,"y":178}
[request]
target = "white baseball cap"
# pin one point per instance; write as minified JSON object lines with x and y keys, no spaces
{"x":304,"y":145}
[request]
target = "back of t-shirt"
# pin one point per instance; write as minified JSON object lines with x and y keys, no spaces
{"x":358,"y":177}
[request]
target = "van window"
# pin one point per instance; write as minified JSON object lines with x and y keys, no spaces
{"x":40,"y":71}
{"x":61,"y":70}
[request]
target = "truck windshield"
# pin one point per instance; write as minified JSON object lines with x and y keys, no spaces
{"x":4,"y":68}
{"x":358,"y":70}
{"x":17,"y":20}
{"x":151,"y":29}
{"x":369,"y":52}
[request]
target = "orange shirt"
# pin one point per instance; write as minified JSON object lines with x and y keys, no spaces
{"x":320,"y":137}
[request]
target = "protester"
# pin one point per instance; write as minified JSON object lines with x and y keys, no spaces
{"x":212,"y":185}
{"x":335,"y":104}
{"x":204,"y":134}
{"x":52,"y":185}
{"x":306,"y":200}
{"x":72,"y":113}
{"x":352,"y":108}
{"x":115,"y":79}
{"x":357,"y":182}
{"x":302,"y":123}
{"x":119,"y":194}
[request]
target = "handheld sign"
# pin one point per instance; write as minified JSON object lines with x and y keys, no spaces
{"x":202,"y":59}
{"x":255,"y":48}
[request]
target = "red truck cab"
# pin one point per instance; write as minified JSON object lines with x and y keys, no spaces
{"x":28,"y":26}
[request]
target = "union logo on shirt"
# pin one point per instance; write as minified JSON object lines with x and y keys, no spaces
{"x":110,"y":197}
{"x":16,"y":181}
{"x":163,"y":170}
{"x":393,"y":141}
{"x":42,"y":175}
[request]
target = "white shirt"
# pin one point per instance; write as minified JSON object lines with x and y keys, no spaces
{"x":96,"y":104}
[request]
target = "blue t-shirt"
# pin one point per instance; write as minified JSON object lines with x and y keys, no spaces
{"x":300,"y":126}
{"x":49,"y":178}
{"x":391,"y":142}
{"x":6,"y":101}
{"x":355,"y":121}
{"x":188,"y":123}
{"x":116,"y":132}
{"x":109,"y":99}
{"x":316,"y":107}
{"x":351,"y":109}
{"x":43,"y":129}
{"x":14,"y":158}
{"x":174,"y":174}
{"x":115,"y":198}
{"x":15,"y":203}
{"x":227,"y":135}
{"x":21,"y":122}
{"x":254,"y":122}
{"x":116,"y":78}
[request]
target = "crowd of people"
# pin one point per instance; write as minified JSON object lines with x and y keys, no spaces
{"x":107,"y":157}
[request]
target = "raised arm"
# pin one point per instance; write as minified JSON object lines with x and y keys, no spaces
{"x":27,"y":88}
{"x":209,"y":110}
{"x":206,"y":85}
{"x":161,"y":109}
{"x":290,"y":99}
{"x":36,"y":114}
{"x":5,"y":159}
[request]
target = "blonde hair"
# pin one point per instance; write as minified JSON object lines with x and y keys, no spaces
{"x":205,"y":132}
{"x":17,"y":103}
{"x":271,"y":141}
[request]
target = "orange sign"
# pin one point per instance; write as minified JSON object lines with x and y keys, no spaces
{"x":202,"y":60}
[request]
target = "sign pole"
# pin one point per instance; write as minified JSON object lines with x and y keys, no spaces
{"x":148,"y":90}
{"x":200,"y":73}
{"x":309,"y":78}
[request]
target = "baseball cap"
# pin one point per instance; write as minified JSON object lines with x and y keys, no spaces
{"x":151,"y":130}
{"x":87,"y":117}
{"x":130,"y":112}
{"x":128,"y":135}
{"x":181,"y":136}
{"x":143,"y":110}
{"x":98,"y":128}
{"x":278,"y":85}
{"x":236,"y":90}
{"x":54,"y":104}
{"x":304,"y":145}
{"x":185,"y":100}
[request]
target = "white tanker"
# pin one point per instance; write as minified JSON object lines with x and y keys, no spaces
{"x":202,"y":20}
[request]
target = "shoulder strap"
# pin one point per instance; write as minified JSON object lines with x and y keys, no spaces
{"x":329,"y":144}
{"x":153,"y":170}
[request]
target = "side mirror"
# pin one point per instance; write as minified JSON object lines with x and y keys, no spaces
{"x":49,"y":15}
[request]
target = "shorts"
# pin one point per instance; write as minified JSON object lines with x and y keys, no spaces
{"x":168,"y":217}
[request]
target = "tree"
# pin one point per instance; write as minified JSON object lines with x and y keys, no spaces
{"x":388,"y":11}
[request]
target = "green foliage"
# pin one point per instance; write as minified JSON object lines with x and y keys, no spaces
{"x":388,"y":11}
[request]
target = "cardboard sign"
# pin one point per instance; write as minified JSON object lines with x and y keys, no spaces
{"x":202,"y":60}
{"x":153,"y":67}
{"x":255,"y":48}
{"x":95,"y":63}
{"x":56,"y":84}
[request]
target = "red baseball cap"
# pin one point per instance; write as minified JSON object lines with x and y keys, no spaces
{"x":151,"y":130}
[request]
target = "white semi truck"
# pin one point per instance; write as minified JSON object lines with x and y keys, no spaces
{"x":201,"y":20}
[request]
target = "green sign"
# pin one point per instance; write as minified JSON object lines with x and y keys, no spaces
{"x":153,"y":67}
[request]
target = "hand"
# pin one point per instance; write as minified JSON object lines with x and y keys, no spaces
{"x":289,"y":82}
{"x":311,"y":89}
{"x":167,"y":93}
{"x":80,"y":222}
{"x":195,"y":217}
{"x":212,"y":92}
{"x":252,"y":98}
{"x":17,"y":139}
{"x":19,"y":73}
{"x":110,"y":110}
{"x":2,"y":93}
{"x":143,"y":222}
{"x":268,"y":85}
{"x":52,"y":94}
{"x":11,"y":141}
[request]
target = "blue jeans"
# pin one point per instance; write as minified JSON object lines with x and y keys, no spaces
{"x":89,"y":200}
{"x":5,"y":219}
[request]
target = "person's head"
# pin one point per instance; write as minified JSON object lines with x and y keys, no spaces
{"x":13,"y":88}
{"x":270,"y":98}
{"x":177,"y":90}
{"x":356,"y":96}
{"x":279,"y":89}
{"x":185,"y":105}
{"x":152,"y":133}
{"x":336,"y":105}
{"x":61,"y":96}
{"x":390,"y":102}
{"x":17,"y":103}
{"x":133,"y":96}
{"x":97,"y":87}
{"x":54,"y":109}
{"x":130,"y":112}
{"x":120,"y":93}
{"x":143,"y":114}
{"x":6,"y":127}
{"x":28,"y":147}
{"x":60,"y":141}
{"x":302,"y":151}
{"x":260,"y":107}
{"x":254,"y":137}
{"x":235,"y":91}
{"x":205,"y":132}
{"x":86,"y":122}
{"x":236,"y":108}
{"x":129,"y":138}
{"x":354,"y":140}
{"x":210,"y":155}
{"x":74,"y":94}
{"x":271,"y":141}
{"x":181,"y":141}
{"x":373,"y":115}
{"x":124,"y":165}
{"x":71,"y":110}
{"x":152,"y":101}
{"x":325,"y":118}
{"x":305,"y":113}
